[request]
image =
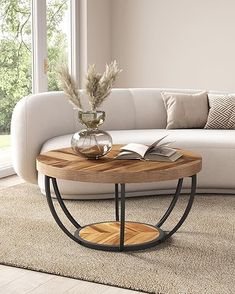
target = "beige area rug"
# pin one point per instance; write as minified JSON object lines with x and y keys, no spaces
{"x":200,"y":258}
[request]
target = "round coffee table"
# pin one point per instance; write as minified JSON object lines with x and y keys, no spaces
{"x":120,"y":234}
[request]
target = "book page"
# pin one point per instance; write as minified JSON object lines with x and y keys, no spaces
{"x":158,"y":157}
{"x":137,"y":148}
{"x":128,"y":155}
{"x":165,"y":144}
{"x":156,"y":143}
{"x":163,"y":151}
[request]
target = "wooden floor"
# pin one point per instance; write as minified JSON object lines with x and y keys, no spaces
{"x":18,"y":281}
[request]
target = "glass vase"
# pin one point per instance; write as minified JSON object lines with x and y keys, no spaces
{"x":91,"y":143}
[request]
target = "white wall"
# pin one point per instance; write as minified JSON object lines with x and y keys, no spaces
{"x":95,"y":35}
{"x":98,"y":33}
{"x":182,"y":44}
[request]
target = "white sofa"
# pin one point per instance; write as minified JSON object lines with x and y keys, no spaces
{"x":47,"y":121}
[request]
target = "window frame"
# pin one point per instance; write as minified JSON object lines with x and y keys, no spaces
{"x":39,"y":46}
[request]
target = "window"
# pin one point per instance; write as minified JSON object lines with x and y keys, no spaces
{"x":30,"y":30}
{"x":58,"y":32}
{"x":15,"y":64}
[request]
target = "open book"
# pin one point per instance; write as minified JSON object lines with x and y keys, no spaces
{"x":158,"y":151}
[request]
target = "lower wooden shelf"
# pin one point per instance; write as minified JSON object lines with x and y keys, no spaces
{"x":108,"y":233}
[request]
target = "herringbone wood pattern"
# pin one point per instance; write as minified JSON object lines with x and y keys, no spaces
{"x":65,"y":164}
{"x":108,"y":233}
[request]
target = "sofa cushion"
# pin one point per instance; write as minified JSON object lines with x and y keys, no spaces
{"x":186,"y":111}
{"x":222,"y":112}
{"x":188,"y":139}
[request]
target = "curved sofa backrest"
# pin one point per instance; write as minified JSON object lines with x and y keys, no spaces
{"x":40,"y":117}
{"x":135,"y":109}
{"x":36,"y":119}
{"x":128,"y":109}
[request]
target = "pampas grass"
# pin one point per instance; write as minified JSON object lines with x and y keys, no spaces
{"x":98,"y":86}
{"x":69,"y":86}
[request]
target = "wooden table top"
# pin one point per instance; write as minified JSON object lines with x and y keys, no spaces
{"x":65,"y":164}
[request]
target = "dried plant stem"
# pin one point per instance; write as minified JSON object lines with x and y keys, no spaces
{"x":98,"y":86}
{"x":69,"y":86}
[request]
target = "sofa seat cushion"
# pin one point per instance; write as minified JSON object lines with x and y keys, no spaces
{"x":211,"y":144}
{"x":182,"y":138}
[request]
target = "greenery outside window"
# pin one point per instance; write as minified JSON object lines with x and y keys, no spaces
{"x":16,"y":47}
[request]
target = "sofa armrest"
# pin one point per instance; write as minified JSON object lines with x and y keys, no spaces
{"x":36,"y":119}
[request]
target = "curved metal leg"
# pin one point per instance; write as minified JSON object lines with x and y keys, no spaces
{"x":172,"y":205}
{"x":187,"y":209}
{"x":162,"y":235}
{"x":53,"y":211}
{"x":62,"y":205}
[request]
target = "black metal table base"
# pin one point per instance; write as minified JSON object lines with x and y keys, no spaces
{"x":120,"y":217}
